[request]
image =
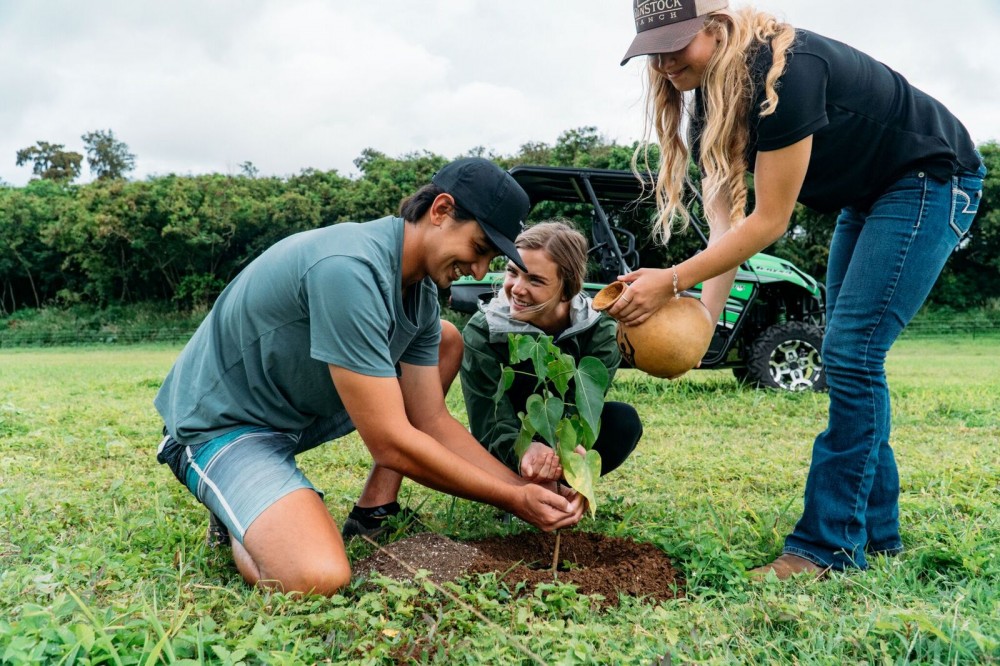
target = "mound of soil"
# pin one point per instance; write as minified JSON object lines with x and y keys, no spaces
{"x":594,"y":563}
{"x":443,"y":558}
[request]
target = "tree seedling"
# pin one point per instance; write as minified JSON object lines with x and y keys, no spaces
{"x":566,"y":420}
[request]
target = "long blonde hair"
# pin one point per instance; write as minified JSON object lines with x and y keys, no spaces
{"x":727,"y":93}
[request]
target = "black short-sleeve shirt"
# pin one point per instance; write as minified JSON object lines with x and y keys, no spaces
{"x":869,"y":125}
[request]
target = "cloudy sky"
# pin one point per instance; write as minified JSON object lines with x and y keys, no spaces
{"x":198,"y":86}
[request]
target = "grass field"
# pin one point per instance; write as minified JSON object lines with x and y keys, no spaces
{"x":102,"y":558}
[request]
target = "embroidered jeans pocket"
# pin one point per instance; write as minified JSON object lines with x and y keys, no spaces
{"x":967,"y":193}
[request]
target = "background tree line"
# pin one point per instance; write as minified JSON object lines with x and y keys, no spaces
{"x":178,"y":240}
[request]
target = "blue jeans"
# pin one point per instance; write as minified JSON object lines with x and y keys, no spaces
{"x":883,"y":263}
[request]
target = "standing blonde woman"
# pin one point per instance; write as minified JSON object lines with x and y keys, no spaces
{"x":820,"y":123}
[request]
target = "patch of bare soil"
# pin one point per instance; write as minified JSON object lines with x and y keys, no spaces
{"x":443,"y":558}
{"x":595,"y":563}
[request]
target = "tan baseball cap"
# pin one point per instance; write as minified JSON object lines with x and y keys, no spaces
{"x":663,"y":26}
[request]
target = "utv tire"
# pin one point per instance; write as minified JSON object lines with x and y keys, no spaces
{"x":788,"y":356}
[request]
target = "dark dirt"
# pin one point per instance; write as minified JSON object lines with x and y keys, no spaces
{"x":595,"y":563}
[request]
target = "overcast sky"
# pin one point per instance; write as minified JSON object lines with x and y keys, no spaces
{"x":199,"y":86}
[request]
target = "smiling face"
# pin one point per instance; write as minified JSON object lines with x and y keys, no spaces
{"x":536,"y":295}
{"x":459,"y":248}
{"x":685,"y":69}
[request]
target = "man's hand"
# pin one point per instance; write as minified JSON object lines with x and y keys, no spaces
{"x":547,"y":510}
{"x":540,"y":464}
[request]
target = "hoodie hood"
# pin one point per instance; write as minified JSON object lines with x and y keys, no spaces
{"x":501,"y":324}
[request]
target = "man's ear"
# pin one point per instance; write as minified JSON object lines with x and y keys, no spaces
{"x":441,"y":208}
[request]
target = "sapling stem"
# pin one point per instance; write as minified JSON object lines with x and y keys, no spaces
{"x":555,"y":558}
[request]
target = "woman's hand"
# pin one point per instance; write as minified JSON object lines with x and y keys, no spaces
{"x":540,"y":464}
{"x":648,"y":290}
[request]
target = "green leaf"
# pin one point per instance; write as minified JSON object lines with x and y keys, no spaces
{"x":512,"y":341}
{"x":544,"y":415}
{"x":565,"y":438}
{"x":591,"y":379}
{"x":522,"y":347}
{"x":524,"y":437}
{"x":535,"y":348}
{"x":561,"y":371}
{"x":586,"y":435}
{"x":506,"y":381}
{"x":85,"y":634}
{"x":581,"y":473}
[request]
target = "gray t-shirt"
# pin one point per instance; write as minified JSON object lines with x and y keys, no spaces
{"x":327,"y":296}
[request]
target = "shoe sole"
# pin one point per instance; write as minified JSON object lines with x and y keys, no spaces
{"x":353,"y":528}
{"x":403,"y":520}
{"x":217,"y":535}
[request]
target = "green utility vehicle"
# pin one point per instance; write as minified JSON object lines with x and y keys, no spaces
{"x":771,"y":332}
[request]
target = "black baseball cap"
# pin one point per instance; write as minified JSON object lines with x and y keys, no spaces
{"x":492,"y":196}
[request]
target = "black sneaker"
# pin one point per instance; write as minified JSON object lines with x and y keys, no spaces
{"x":218,"y":533}
{"x":374,"y":521}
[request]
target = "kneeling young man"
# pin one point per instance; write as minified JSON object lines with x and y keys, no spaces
{"x":329,"y":331}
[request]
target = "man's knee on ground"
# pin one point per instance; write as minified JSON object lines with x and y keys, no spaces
{"x":325,"y":578}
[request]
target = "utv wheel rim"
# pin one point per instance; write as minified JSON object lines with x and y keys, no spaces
{"x":795,"y":365}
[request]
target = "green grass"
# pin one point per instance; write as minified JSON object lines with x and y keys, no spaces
{"x":102,"y":557}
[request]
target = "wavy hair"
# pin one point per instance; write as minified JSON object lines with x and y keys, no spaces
{"x":727,"y":93}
